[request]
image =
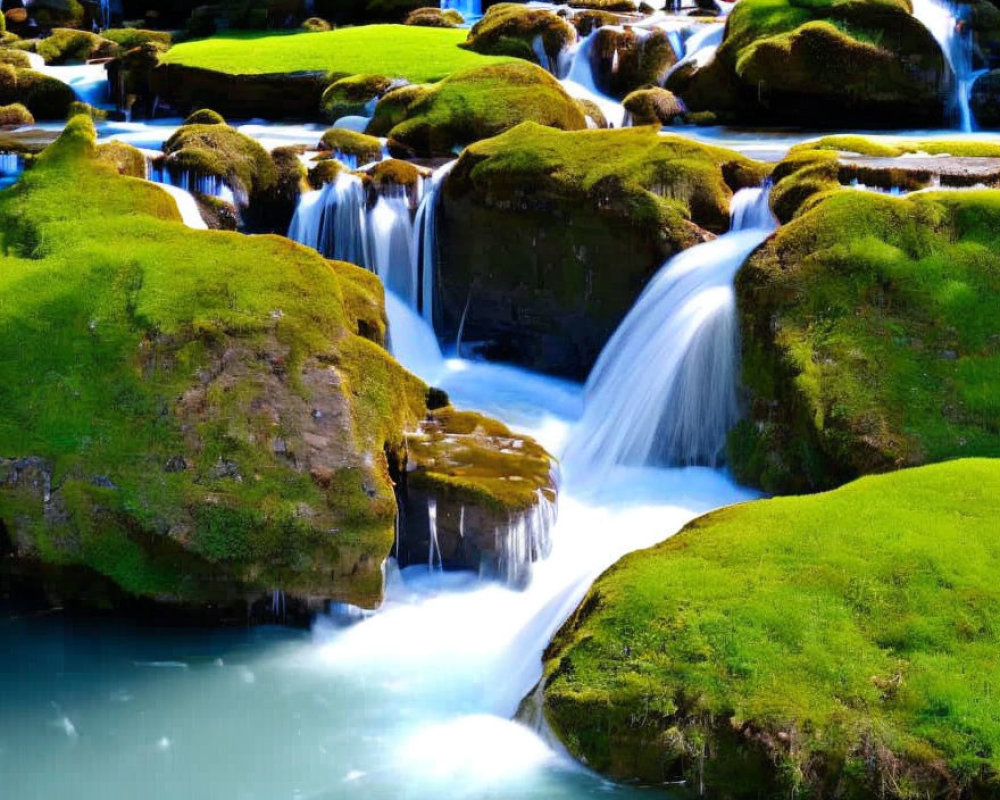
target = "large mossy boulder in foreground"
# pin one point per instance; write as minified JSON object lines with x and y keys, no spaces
{"x":837,"y":645}
{"x":200,"y":417}
{"x":833,"y":63}
{"x":474,"y":104}
{"x":548,"y":237}
{"x":871,"y":338}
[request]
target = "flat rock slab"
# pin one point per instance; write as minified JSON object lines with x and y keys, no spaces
{"x":924,"y":169}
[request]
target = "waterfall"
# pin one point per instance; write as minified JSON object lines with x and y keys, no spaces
{"x":210,"y":185}
{"x":425,"y":241}
{"x":88,"y":81}
{"x":333,"y":221}
{"x":944,"y":21}
{"x":470,"y":10}
{"x":699,"y":48}
{"x":187,"y":206}
{"x":11,"y":167}
{"x":391,"y":235}
{"x":578,"y":80}
{"x":664,"y":389}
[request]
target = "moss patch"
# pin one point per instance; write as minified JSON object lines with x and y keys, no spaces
{"x":511,"y":29}
{"x":869,"y":338}
{"x":841,"y":644}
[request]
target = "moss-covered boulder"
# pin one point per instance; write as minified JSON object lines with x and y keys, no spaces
{"x":356,"y":147}
{"x":199,"y":417}
{"x":653,"y":107}
{"x":838,"y":645}
{"x":435,"y":18}
{"x":16,"y":58}
{"x":67,"y":45}
{"x":129,"y":38}
{"x":15,"y":115}
{"x":316,"y":25}
{"x":511,"y":29}
{"x":479,"y":103}
{"x":205,"y":116}
{"x":354,"y":95}
{"x":45,"y":97}
{"x":214,"y":150}
{"x":491,"y":493}
{"x":827,"y":64}
{"x":126,"y":159}
{"x":869,"y":329}
{"x":548,"y":237}
{"x":53,"y":13}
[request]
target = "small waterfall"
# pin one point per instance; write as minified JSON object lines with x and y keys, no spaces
{"x":434,"y":561}
{"x":11,"y":167}
{"x":210,"y":185}
{"x":186,"y":205}
{"x":699,"y":48}
{"x":88,"y":81}
{"x":664,"y":389}
{"x":333,"y":221}
{"x":470,"y":10}
{"x":578,"y":80}
{"x":425,"y":241}
{"x":945,"y":23}
{"x":525,"y":540}
{"x":390,"y":245}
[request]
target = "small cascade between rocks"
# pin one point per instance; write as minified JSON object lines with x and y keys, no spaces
{"x":575,"y":71}
{"x":209,"y":185}
{"x":88,"y":81}
{"x":333,"y":221}
{"x":699,"y":48}
{"x":664,"y":389}
{"x":945,"y":22}
{"x":11,"y":167}
{"x":425,"y":240}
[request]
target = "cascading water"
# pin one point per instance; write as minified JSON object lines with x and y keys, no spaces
{"x":390,"y":232}
{"x":471,"y":10}
{"x":210,"y":185}
{"x":945,"y":23}
{"x":11,"y":167}
{"x":664,"y":388}
{"x":425,"y":241}
{"x":700,"y":46}
{"x":332,"y":220}
{"x":88,"y":81}
{"x":576,"y":71}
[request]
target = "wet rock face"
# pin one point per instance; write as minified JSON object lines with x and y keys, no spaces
{"x":630,"y":59}
{"x":984,"y":101}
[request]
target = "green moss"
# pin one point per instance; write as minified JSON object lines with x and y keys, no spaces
{"x":45,"y":97}
{"x":15,"y":115}
{"x":126,"y":160}
{"x":316,"y":25}
{"x":351,"y":143}
{"x":823,"y":63}
{"x":205,"y":116}
{"x":394,"y":172}
{"x":482,"y":102}
{"x":399,"y":51}
{"x":157,"y":369}
{"x":841,"y":644}
{"x":470,"y":458}
{"x":66,"y":45}
{"x":435,"y":18}
{"x":214,"y":149}
{"x":324,"y":172}
{"x":510,"y":29}
{"x":394,"y":106}
{"x":16,"y":58}
{"x":129,"y":38}
{"x":890,"y":148}
{"x":653,"y":107}
{"x":350,"y":96}
{"x":868,"y":329}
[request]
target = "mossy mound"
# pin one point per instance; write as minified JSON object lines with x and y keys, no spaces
{"x":15,"y":115}
{"x":274,"y":207}
{"x":393,"y":172}
{"x":126,"y":159}
{"x":624,"y":60}
{"x":435,"y":18}
{"x":394,"y":106}
{"x":45,"y":97}
{"x":352,"y":95}
{"x":53,"y":13}
{"x":129,"y":38}
{"x":869,"y":339}
{"x":359,"y":146}
{"x":205,"y":116}
{"x":548,"y":237}
{"x":222,"y":151}
{"x":838,"y":645}
{"x":479,"y":103}
{"x":316,"y":25}
{"x":16,"y":58}
{"x":201,"y":405}
{"x":66,"y":45}
{"x":324,"y":172}
{"x":829,"y":63}
{"x":626,"y":6}
{"x":511,"y":29}
{"x":653,"y":107}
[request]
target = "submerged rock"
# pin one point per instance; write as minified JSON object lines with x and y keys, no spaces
{"x":547,"y":238}
{"x":798,"y":646}
{"x":865,"y":62}
{"x":868,"y":329}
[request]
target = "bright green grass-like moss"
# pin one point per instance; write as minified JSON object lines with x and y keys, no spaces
{"x":891,"y":148}
{"x":869,"y":328}
{"x":417,"y":54}
{"x":842,"y":644}
{"x":132,"y":341}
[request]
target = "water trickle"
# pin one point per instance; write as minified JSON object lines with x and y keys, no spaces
{"x":945,"y":22}
{"x":391,"y":234}
{"x":425,"y":240}
{"x":333,"y":220}
{"x":664,"y":388}
{"x":433,"y":546}
{"x":210,"y":185}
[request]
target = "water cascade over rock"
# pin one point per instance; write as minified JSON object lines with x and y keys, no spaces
{"x":944,"y":20}
{"x":576,"y":74}
{"x":425,"y":241}
{"x":664,"y":389}
{"x":333,"y":220}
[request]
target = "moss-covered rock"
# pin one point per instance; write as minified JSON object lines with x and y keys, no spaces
{"x":129,"y":38}
{"x":205,"y":116}
{"x":394,"y":106}
{"x":435,"y":18}
{"x":869,"y":338}
{"x":45,"y":97}
{"x":356,"y":146}
{"x":653,"y":107}
{"x":323,"y":172}
{"x":478,"y":103}
{"x":838,"y":645}
{"x":53,"y":13}
{"x":126,"y":159}
{"x":274,"y":207}
{"x":984,"y":100}
{"x":16,"y":58}
{"x":393,"y":172}
{"x":15,"y":115}
{"x":548,"y":237}
{"x":66,"y":45}
{"x":354,"y":95}
{"x":511,"y":29}
{"x":827,"y":64}
{"x":316,"y":25}
{"x":223,"y":152}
